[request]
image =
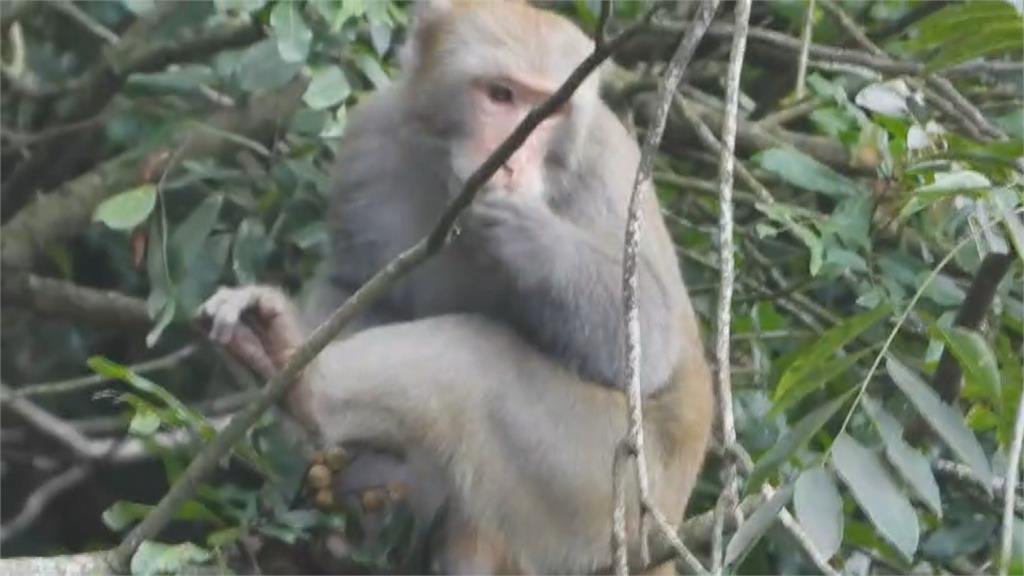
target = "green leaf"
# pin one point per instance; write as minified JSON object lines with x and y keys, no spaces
{"x":261,"y":67}
{"x":240,"y":6}
{"x":759,"y":522}
{"x":955,"y":181}
{"x":912,"y":466}
{"x":812,"y":361}
{"x":224,"y":537}
{"x":805,"y":172}
{"x":156,"y":558}
{"x":203,"y":272}
{"x":1005,"y":36}
{"x":251,"y":249}
{"x":963,"y":538}
{"x":793,"y":439}
{"x":293,"y":36}
{"x":189,"y":236}
{"x":945,"y":420}
{"x":942,"y":290}
{"x":371,"y":68}
{"x":115,"y":371}
{"x":816,"y":379}
{"x":1005,"y":206}
{"x":877,"y":494}
{"x":144,"y":423}
{"x":976,"y":359}
{"x":785,"y":215}
{"x":380,"y":37}
{"x":127,"y":210}
{"x":337,"y":12}
{"x":160,"y":304}
{"x":327,"y":88}
{"x":122,"y":514}
{"x":819,"y":509}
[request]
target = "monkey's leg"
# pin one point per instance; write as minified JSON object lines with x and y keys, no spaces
{"x":525,"y":446}
{"x":259,"y":325}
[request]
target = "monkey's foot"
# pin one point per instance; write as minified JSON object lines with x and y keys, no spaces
{"x":255,"y":323}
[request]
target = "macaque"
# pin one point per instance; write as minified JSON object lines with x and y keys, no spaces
{"x":490,"y":381}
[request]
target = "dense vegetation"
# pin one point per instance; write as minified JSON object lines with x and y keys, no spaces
{"x":152,"y":151}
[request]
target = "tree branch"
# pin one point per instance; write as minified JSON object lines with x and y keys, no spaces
{"x":70,"y":301}
{"x":36,"y":503}
{"x":729,"y":498}
{"x":630,"y":279}
{"x":1010,"y":490}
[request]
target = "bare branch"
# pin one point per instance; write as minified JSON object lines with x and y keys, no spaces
{"x":48,"y":424}
{"x":851,"y":28}
{"x":805,"y":45}
{"x":37,"y":501}
{"x":630,"y":280}
{"x":1010,"y":490}
{"x":69,"y":9}
{"x":70,"y":301}
{"x":85,"y":382}
{"x":729,"y":498}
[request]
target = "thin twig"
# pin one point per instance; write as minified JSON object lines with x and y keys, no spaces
{"x":69,"y":9}
{"x":607,"y":7}
{"x":365,"y":296}
{"x":965,"y":107}
{"x":37,"y":501}
{"x":630,"y":278}
{"x":1010,"y":490}
{"x":85,"y":382}
{"x":851,"y":28}
{"x":729,"y":498}
{"x":788,"y":114}
{"x":51,"y":425}
{"x":805,"y":46}
{"x":708,"y":139}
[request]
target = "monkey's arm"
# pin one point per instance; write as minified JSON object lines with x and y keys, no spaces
{"x":569,"y":284}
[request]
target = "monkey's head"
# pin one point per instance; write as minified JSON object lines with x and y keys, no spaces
{"x":473,"y":70}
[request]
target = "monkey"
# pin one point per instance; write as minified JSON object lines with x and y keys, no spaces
{"x":494,"y":373}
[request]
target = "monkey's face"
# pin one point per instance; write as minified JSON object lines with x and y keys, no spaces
{"x":476,"y":69}
{"x":497,"y":104}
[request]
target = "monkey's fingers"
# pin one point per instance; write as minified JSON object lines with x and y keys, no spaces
{"x":248,"y":348}
{"x":224,"y":310}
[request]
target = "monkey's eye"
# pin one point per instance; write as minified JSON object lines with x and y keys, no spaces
{"x":499,"y":93}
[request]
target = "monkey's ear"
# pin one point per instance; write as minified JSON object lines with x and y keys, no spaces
{"x":425,"y":18}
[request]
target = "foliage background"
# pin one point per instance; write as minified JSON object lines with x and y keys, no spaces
{"x":152,"y":151}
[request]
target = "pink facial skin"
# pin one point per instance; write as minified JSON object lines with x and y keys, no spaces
{"x":500,"y":105}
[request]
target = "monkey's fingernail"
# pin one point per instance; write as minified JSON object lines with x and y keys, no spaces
{"x":319,"y":476}
{"x":336,"y":458}
{"x":373,"y":499}
{"x":324,"y":499}
{"x":317,"y":457}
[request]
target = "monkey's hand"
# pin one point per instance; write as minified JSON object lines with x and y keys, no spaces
{"x":257,"y":324}
{"x":518,"y":231}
